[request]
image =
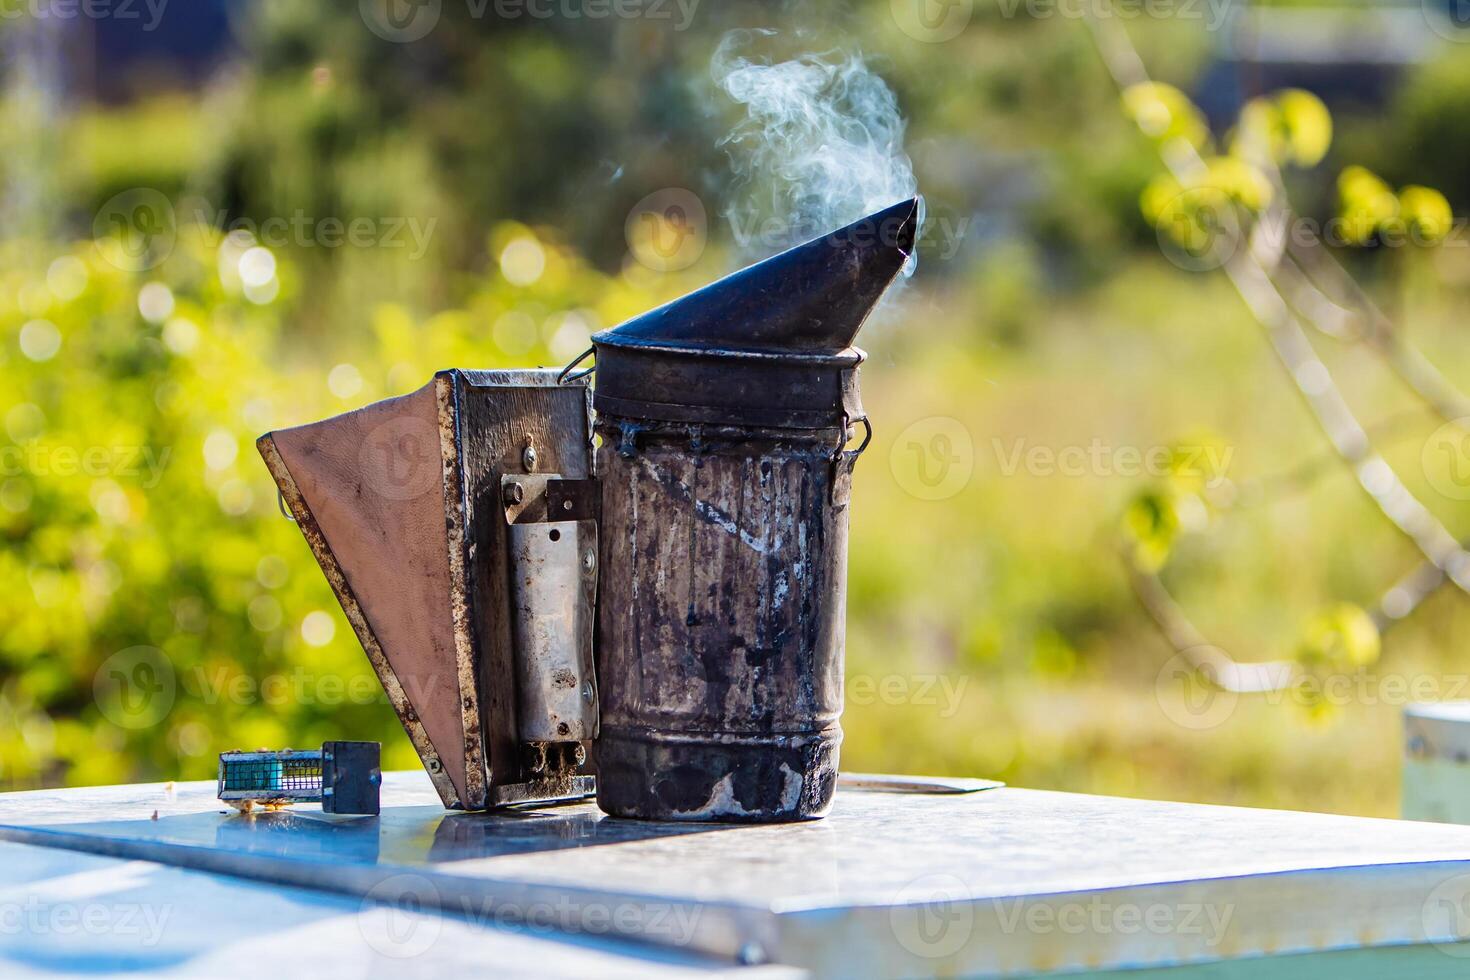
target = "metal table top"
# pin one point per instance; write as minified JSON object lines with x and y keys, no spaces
{"x":1002,"y":882}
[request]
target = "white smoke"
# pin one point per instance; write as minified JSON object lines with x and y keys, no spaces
{"x":820,"y":144}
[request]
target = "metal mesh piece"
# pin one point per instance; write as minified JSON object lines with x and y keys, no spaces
{"x":271,"y":774}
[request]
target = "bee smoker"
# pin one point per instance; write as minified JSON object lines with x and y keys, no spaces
{"x":724,"y":420}
{"x":667,"y":617}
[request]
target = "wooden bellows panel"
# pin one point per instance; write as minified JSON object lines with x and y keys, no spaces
{"x":400,"y":504}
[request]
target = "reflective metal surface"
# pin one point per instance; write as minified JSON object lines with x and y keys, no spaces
{"x":1004,"y":882}
{"x":69,"y":914}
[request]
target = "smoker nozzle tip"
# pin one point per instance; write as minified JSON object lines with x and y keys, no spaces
{"x":907,"y":214}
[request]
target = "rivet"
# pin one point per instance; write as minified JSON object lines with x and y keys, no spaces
{"x":528,"y":459}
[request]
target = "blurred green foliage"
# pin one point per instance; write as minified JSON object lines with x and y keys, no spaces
{"x":136,"y":513}
{"x":158,"y":609}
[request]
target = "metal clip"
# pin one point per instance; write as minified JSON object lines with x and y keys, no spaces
{"x":844,"y":460}
{"x":628,"y":440}
{"x":552,"y":541}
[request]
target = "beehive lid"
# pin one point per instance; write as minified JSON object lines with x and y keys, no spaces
{"x":1003,"y":882}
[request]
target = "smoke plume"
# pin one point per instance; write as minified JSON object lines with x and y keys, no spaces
{"x":820,"y":143}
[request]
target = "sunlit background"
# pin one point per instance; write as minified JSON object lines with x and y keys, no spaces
{"x":1097,"y":486}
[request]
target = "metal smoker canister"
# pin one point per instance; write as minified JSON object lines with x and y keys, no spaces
{"x":724,"y":419}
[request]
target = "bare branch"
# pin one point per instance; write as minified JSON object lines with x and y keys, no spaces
{"x":1249,"y":270}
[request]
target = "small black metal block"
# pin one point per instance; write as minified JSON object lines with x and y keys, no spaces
{"x":351,"y":777}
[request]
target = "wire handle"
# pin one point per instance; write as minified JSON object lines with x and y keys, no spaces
{"x":567,"y":377}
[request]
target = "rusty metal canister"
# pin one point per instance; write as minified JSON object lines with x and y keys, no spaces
{"x":725,"y":420}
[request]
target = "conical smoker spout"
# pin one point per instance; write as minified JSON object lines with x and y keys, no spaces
{"x":770,"y":345}
{"x":811,"y":298}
